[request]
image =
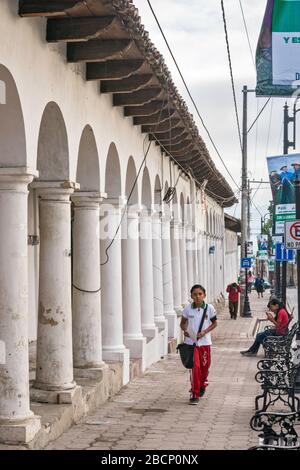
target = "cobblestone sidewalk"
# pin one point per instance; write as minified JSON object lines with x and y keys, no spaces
{"x":152,"y":412}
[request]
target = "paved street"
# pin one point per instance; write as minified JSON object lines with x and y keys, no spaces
{"x":152,"y":412}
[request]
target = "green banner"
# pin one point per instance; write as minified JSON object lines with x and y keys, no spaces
{"x":278,"y":50}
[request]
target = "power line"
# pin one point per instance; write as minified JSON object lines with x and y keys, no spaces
{"x":257,"y":117}
{"x":189,"y":93}
{"x":231,"y":75}
{"x":269,"y":130}
{"x":247,"y":33}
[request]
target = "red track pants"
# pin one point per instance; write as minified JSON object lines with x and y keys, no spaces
{"x":199,"y":373}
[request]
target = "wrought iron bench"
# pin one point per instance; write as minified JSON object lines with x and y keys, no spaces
{"x":276,"y":430}
{"x":278,"y":384}
{"x":280,"y":346}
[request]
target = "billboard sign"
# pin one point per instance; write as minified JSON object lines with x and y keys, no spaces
{"x":277,"y":55}
{"x":283,"y":171}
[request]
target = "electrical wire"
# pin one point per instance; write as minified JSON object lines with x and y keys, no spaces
{"x":189,"y":94}
{"x":257,"y":117}
{"x":231,"y":75}
{"x":133,"y":186}
{"x":247,"y":33}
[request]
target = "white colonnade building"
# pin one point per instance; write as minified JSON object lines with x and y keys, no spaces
{"x":96,"y":260}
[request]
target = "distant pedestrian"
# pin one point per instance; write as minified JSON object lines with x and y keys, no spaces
{"x":233,"y":298}
{"x":280,"y":321}
{"x":190,"y":324}
{"x":259,"y":286}
{"x":250,"y":279}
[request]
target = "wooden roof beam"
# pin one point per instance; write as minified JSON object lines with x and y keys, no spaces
{"x":154,"y":119}
{"x":112,"y":69}
{"x":185,"y":136}
{"x":136,"y":98}
{"x":78,"y":29}
{"x":162,"y":127}
{"x":177,"y":132}
{"x":183,"y":146}
{"x":151,"y":108}
{"x":44,"y":7}
{"x":97,"y":50}
{"x":133,"y":83}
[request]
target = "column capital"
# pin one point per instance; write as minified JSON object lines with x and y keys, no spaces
{"x":87,"y":198}
{"x":17,"y":175}
{"x":55,"y":190}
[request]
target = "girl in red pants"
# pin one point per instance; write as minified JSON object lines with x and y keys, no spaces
{"x":190,"y":323}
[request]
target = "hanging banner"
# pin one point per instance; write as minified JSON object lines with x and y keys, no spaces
{"x":283,"y":170}
{"x":278,"y":50}
{"x":262,"y":242}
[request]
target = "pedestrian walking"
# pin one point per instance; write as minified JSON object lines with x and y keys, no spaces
{"x":280,"y":320}
{"x":233,"y":298}
{"x":259,"y":286}
{"x":250,"y":279}
{"x":190,"y":324}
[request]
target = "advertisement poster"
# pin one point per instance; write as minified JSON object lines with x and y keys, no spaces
{"x":278,"y":49}
{"x":262,"y":242}
{"x":283,"y":171}
{"x":249,"y":248}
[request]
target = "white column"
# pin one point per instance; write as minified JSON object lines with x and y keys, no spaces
{"x":157,"y":269}
{"x":54,"y":370}
{"x":17,"y":422}
{"x":200,"y":259}
{"x":87,"y":338}
{"x":111,"y":288}
{"x":133,"y":338}
{"x":176,"y":273}
{"x":195,"y":257}
{"x":146,"y":276}
{"x":160,"y":321}
{"x":189,"y":256}
{"x":183,"y":267}
{"x":169,"y":311}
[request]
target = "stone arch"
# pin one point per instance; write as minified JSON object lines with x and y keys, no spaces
{"x":113,"y":186}
{"x":131,"y":183}
{"x":12,"y":128}
{"x":53,"y":147}
{"x":88,"y":172}
{"x":146,"y":190}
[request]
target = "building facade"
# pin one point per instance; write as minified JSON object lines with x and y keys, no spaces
{"x":110,"y":205}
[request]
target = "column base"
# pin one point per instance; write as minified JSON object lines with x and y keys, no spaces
{"x":94,"y":373}
{"x":20,"y":432}
{"x":162,"y":325}
{"x":122,"y":356}
{"x":172,"y":324}
{"x":137,"y":348}
{"x":150,"y":332}
{"x":59,"y":397}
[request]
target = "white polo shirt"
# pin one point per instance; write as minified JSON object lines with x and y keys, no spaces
{"x":194,"y":316}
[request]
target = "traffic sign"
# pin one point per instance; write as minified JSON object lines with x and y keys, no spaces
{"x":292,"y":235}
{"x":282,"y":254}
{"x":246,"y":263}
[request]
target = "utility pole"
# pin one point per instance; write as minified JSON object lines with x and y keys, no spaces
{"x":245,"y":306}
{"x":286,"y":120}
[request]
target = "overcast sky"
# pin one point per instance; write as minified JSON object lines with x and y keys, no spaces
{"x":194,"y":29}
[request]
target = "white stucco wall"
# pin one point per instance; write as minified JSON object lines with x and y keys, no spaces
{"x":42,"y":75}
